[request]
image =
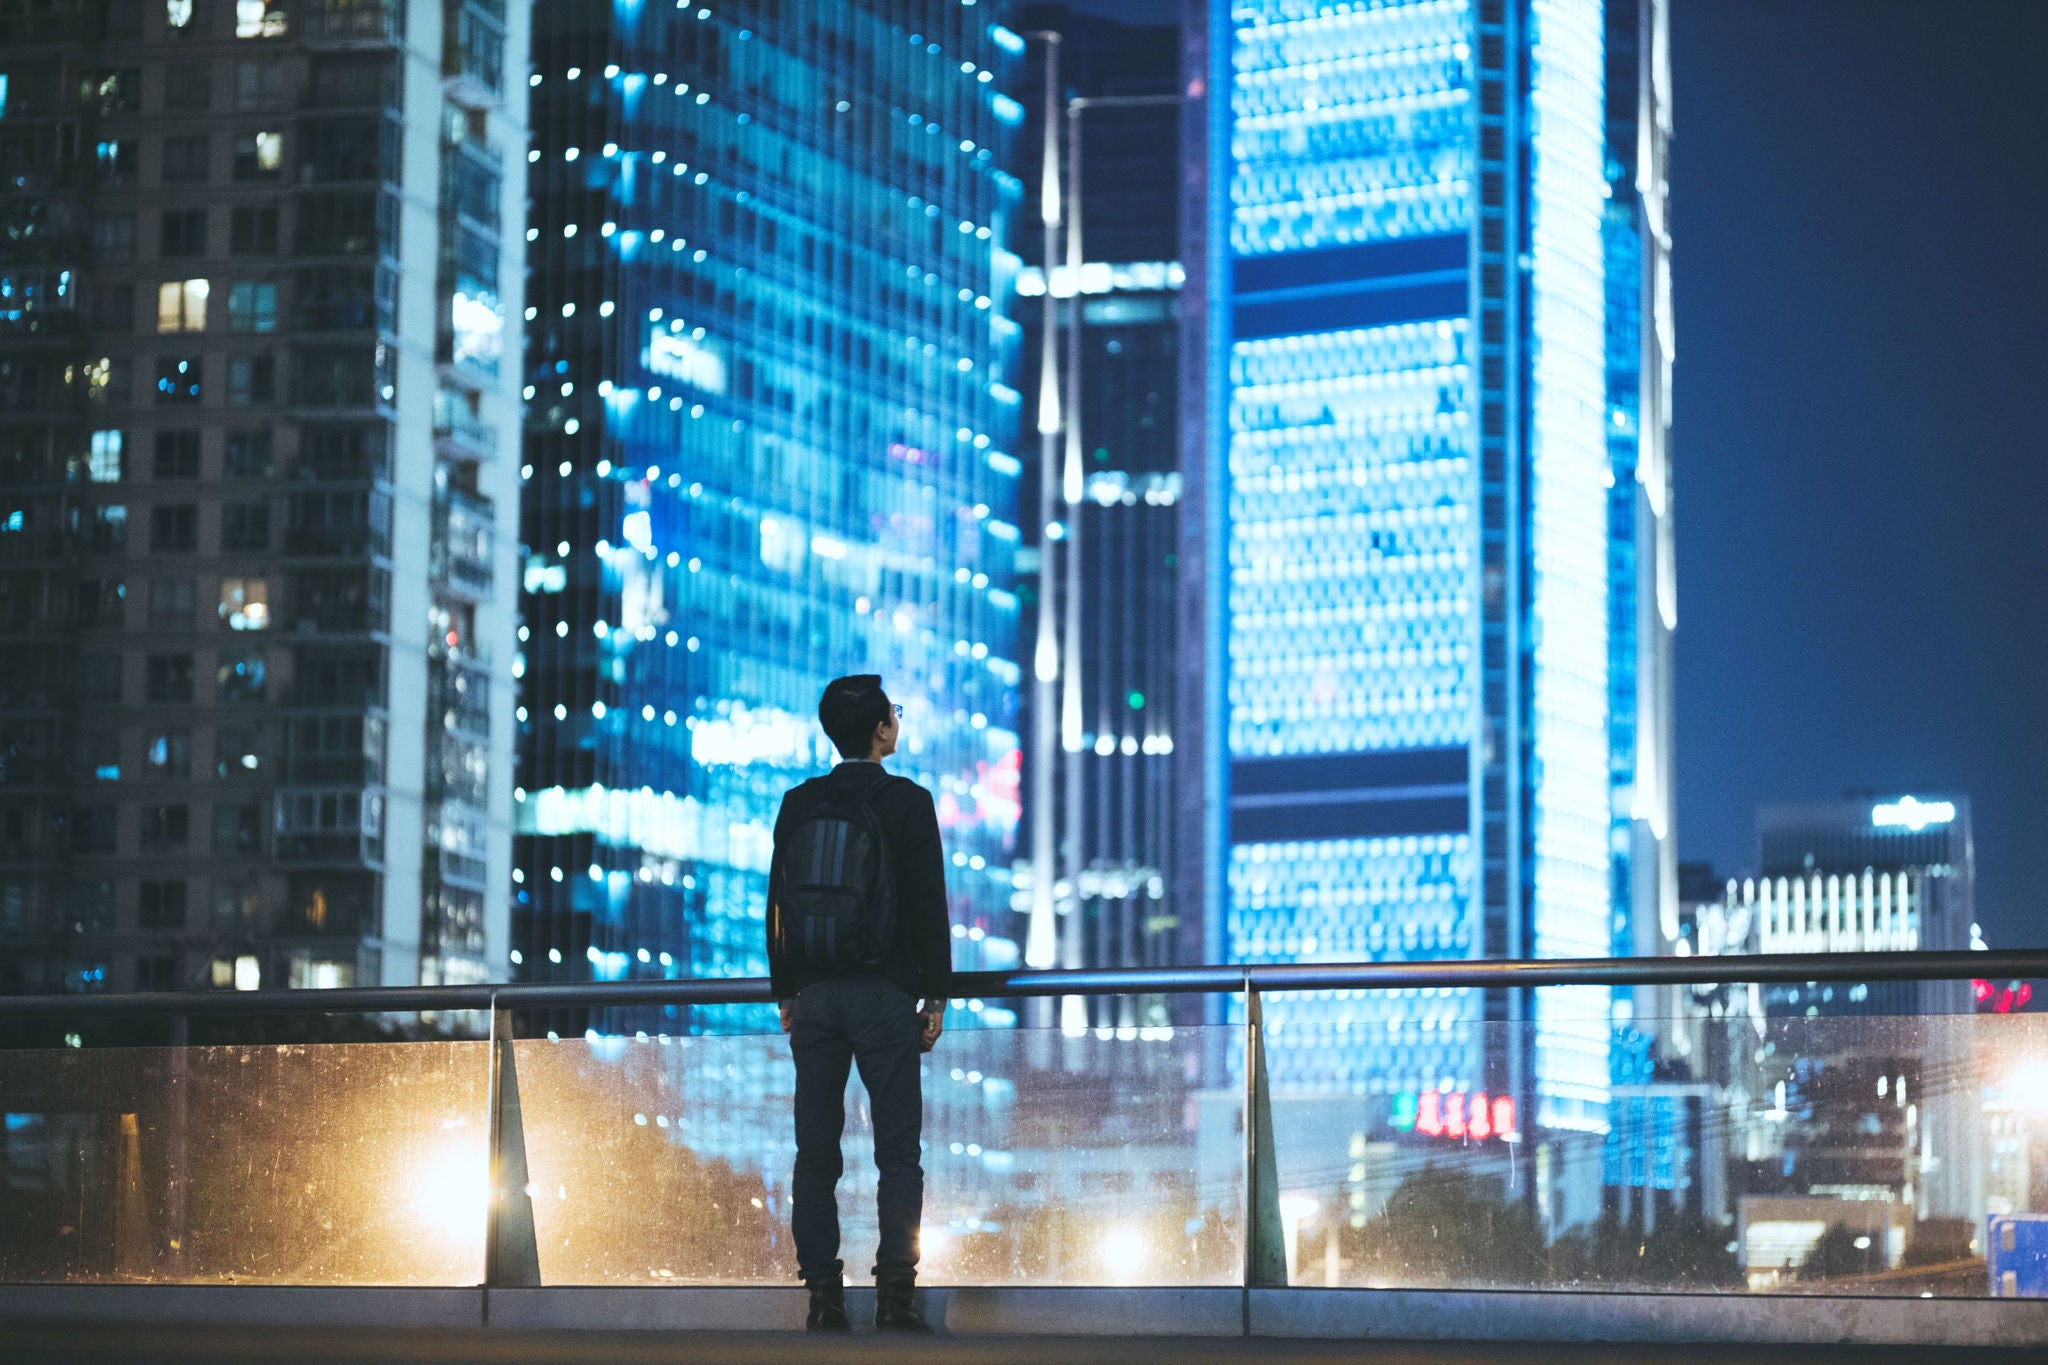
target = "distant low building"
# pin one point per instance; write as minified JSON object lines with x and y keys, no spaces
{"x":1851,"y":1090}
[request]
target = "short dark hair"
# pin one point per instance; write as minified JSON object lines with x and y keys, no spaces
{"x":850,"y":710}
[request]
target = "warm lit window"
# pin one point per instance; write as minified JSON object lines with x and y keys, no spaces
{"x":259,"y":18}
{"x":181,"y":305}
{"x":258,"y":155}
{"x":245,"y":603}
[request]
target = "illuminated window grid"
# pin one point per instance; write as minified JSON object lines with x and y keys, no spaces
{"x":1350,"y":127}
{"x":786,"y":536}
{"x":1573,"y":805}
{"x":1388,"y":899}
{"x":1351,"y":561}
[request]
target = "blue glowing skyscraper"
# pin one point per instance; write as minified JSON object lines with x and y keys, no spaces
{"x":765,"y":445}
{"x":1399,"y":468}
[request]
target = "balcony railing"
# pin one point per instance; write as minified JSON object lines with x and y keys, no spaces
{"x":462,"y":433}
{"x":1320,"y":1127}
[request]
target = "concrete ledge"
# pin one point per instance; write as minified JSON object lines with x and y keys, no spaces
{"x":689,"y":1308}
{"x":1741,"y":1319}
{"x":236,"y":1304}
{"x":969,"y":1311}
{"x":1305,"y":1314}
{"x":1089,"y":1312}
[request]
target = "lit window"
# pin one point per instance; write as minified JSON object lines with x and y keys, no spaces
{"x":252,"y":307}
{"x":259,"y":155}
{"x":259,"y":18}
{"x":181,"y":305}
{"x":245,"y":603}
{"x":103,"y":459}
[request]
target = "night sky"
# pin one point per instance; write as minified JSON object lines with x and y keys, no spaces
{"x":1860,"y":214}
{"x":1860,"y":217}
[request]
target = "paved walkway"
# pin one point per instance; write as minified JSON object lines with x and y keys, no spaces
{"x":181,"y":1345}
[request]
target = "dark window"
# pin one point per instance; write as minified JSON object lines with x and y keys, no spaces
{"x":352,"y":377}
{"x":174,"y":528}
{"x":92,"y":829}
{"x":170,"y":602}
{"x":350,"y":677}
{"x":253,"y":232}
{"x":237,"y":829}
{"x":251,"y":379}
{"x":349,"y":149}
{"x":107,"y":533}
{"x":341,"y":298}
{"x":185,"y":157}
{"x":348,"y":224}
{"x":162,"y":905}
{"x":168,"y":677}
{"x":156,"y":973}
{"x":177,"y":380}
{"x":240,"y":678}
{"x":353,"y":82}
{"x":99,"y":680}
{"x":246,"y":454}
{"x":166,"y":826}
{"x":113,"y":236}
{"x":184,"y":232}
{"x":261,"y":85}
{"x":100,"y":603}
{"x":100,"y":755}
{"x":177,"y":455}
{"x":188,"y":87}
{"x":113,"y":305}
{"x":245,"y":526}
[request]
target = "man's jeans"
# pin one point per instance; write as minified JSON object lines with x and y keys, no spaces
{"x":870,"y":1021}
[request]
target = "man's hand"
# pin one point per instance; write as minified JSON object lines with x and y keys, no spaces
{"x":932,"y":1016}
{"x":787,"y":1009}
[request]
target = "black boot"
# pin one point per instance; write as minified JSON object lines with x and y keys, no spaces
{"x":894,"y":1312}
{"x":828,"y":1308}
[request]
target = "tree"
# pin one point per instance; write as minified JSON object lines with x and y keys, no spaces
{"x":1842,"y":1251}
{"x":1449,"y":1227}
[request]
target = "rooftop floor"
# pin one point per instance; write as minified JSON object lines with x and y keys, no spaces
{"x":149,"y":1345}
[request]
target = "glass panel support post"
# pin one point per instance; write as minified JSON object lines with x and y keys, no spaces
{"x":511,"y":1252}
{"x":1265,"y":1243}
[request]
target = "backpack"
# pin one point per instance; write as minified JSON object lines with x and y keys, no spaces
{"x":838,"y":898}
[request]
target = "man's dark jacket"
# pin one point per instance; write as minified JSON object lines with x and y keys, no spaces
{"x":921,"y":958}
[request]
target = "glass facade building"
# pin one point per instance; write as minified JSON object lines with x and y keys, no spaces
{"x":1102,"y":578}
{"x":258,"y":264}
{"x":1405,"y":307}
{"x":768,"y":427}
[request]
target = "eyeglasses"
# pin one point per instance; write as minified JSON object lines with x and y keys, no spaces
{"x":897,"y":709}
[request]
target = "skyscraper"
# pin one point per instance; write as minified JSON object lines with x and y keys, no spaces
{"x":1411,"y":341}
{"x":257,"y":414}
{"x":1102,"y":592}
{"x":768,"y":417}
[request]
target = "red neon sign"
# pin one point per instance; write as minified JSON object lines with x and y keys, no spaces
{"x":1454,"y":1114}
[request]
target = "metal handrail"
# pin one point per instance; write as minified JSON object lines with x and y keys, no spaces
{"x":1202,"y":980}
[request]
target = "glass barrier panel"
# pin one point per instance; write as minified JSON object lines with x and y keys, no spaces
{"x":1092,"y":1158}
{"x":305,"y":1164}
{"x":1740,"y":1146}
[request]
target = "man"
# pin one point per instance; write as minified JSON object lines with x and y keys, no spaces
{"x":857,"y":936}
